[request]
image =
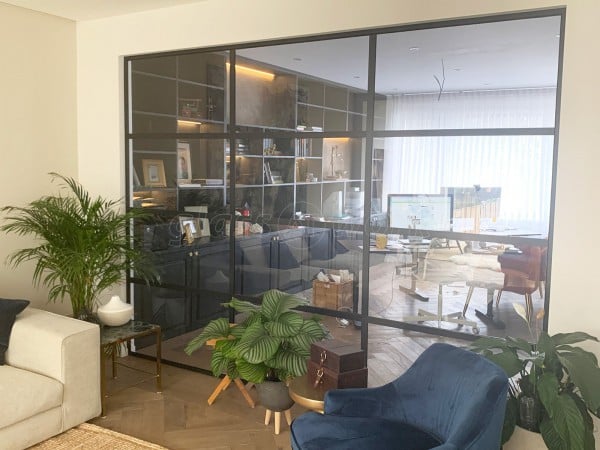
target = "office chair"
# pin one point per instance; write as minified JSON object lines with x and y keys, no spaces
{"x":449,"y":399}
{"x":524,"y":273}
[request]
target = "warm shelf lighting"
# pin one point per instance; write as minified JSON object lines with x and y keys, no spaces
{"x":339,"y":139}
{"x":250,"y":71}
{"x":188,"y":122}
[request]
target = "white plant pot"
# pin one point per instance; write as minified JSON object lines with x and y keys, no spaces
{"x":116,"y":312}
{"x":523,"y":439}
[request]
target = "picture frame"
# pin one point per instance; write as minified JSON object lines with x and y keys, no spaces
{"x":204,"y":228}
{"x":184,"y":167}
{"x":190,"y":227}
{"x":154,"y":172}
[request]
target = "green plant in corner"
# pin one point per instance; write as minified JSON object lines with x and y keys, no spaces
{"x":554,"y":385}
{"x":82,"y":247}
{"x":273,"y":342}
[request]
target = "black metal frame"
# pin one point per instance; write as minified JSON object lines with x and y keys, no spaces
{"x":367,"y":134}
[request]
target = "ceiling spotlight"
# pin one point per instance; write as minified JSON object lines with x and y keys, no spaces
{"x":457,"y":69}
{"x":297,"y":59}
{"x":557,"y":35}
{"x":414,"y":49}
{"x":356,"y":77}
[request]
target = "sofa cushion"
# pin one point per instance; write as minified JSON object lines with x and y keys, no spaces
{"x":27,"y":393}
{"x":8,"y":312}
{"x":312,"y":431}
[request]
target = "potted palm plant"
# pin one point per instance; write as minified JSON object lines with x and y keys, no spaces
{"x":81,"y":244}
{"x":554,"y":388}
{"x":271,"y":345}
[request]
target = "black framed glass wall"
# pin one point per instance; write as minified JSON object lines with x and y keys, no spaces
{"x":407,"y":163}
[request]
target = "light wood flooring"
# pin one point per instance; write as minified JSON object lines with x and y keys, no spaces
{"x":180,"y":417}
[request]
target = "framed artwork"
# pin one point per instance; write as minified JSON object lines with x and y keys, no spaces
{"x":190,"y":228}
{"x":184,"y":168}
{"x":154,"y":172}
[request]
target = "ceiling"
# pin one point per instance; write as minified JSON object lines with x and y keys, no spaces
{"x":95,"y":9}
{"x":499,"y":55}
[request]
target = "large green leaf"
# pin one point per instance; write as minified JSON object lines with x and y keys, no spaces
{"x":216,"y":329}
{"x":488,"y":342}
{"x":311,"y":331}
{"x":588,"y":423}
{"x":571,"y":348}
{"x":567,"y":428}
{"x":287,"y":324}
{"x":290,"y":361}
{"x":572,"y":338}
{"x":275,"y":303}
{"x":519,"y":343}
{"x":585,"y":375}
{"x":507,"y":360}
{"x":256,"y":346}
{"x":242,"y":305}
{"x":548,"y":389}
{"x":252,"y":372}
{"x":218,"y":362}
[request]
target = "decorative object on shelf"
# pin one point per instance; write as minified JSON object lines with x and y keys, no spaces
{"x":154,"y":172}
{"x":82,"y":247}
{"x":256,"y":228}
{"x":333,"y":156}
{"x":554,"y":386}
{"x":190,"y":228}
{"x":184,"y":164}
{"x":115,"y":312}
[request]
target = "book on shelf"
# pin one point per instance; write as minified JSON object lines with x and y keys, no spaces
{"x":268,"y":174}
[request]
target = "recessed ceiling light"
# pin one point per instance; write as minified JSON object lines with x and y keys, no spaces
{"x":356,"y":77}
{"x":414,"y":49}
{"x":297,"y":59}
{"x":557,"y":35}
{"x":457,"y":69}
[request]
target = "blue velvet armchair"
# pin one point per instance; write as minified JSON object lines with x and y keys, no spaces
{"x":449,"y":399}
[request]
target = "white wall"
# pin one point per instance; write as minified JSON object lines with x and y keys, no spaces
{"x":102,"y":43}
{"x":38,"y":120}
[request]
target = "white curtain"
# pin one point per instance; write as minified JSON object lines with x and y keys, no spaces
{"x":520,"y":165}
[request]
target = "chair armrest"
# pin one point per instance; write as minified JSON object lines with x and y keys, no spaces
{"x":358,"y":402}
{"x":65,"y":349}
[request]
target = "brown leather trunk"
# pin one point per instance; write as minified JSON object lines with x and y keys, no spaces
{"x":334,"y":380}
{"x":340,"y":356}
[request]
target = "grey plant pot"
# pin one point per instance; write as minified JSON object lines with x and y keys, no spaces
{"x":274,"y":395}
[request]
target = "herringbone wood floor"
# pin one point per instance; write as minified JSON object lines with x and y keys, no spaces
{"x":180,"y":418}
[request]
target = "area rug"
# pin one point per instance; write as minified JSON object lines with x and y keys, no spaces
{"x":87,"y":436}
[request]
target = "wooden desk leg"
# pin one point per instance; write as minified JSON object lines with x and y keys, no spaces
{"x":244,"y":392}
{"x":158,"y":358}
{"x":102,"y":382}
{"x":288,"y":416}
{"x":221,"y":387}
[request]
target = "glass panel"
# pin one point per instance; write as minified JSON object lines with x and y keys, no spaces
{"x":438,"y":78}
{"x":455,"y":285}
{"x":184,"y":93}
{"x":499,"y":184}
{"x":295,"y":85}
{"x":179,"y":175}
{"x":392,"y":351}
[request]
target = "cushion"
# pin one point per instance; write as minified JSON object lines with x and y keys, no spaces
{"x":26,"y":394}
{"x":8,"y":312}
{"x":312,"y":431}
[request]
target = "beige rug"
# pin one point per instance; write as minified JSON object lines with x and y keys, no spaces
{"x":88,"y":436}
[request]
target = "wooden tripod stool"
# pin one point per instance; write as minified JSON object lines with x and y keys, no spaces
{"x":226,"y":381}
{"x":288,"y":418}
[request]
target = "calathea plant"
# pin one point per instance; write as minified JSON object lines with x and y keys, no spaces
{"x":273,"y":342}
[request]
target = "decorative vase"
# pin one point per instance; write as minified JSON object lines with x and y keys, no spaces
{"x":116,"y":312}
{"x":274,"y":395}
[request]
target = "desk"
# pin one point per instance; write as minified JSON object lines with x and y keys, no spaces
{"x":303,"y":392}
{"x":112,"y":337}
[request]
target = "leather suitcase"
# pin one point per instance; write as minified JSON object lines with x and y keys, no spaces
{"x":340,"y":356}
{"x":334,"y":380}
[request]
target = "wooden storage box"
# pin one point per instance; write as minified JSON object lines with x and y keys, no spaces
{"x":340,"y":356}
{"x":331,"y":295}
{"x":338,"y":380}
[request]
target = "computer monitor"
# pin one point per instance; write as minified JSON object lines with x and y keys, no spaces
{"x":420,"y":211}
